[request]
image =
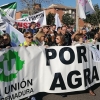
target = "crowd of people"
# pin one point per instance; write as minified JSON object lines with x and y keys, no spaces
{"x":49,"y":35}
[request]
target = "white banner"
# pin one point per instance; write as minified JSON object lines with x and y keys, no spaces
{"x":39,"y":18}
{"x":25,"y":71}
{"x":16,"y":36}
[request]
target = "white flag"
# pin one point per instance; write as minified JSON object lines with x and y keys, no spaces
{"x":6,"y":18}
{"x":16,"y":36}
{"x":7,"y":14}
{"x":95,"y":52}
{"x":85,"y":7}
{"x":57,"y":21}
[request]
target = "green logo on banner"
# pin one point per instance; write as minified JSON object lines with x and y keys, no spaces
{"x":14,"y":38}
{"x":10,"y":65}
{"x":1,"y":33}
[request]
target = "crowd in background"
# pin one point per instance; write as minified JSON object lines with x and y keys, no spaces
{"x":49,"y":35}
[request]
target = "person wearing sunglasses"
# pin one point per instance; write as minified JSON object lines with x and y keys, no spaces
{"x":60,"y":40}
{"x":28,"y":40}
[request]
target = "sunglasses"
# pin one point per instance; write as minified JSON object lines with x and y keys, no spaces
{"x":30,"y":37}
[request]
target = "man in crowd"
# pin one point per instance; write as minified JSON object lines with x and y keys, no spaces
{"x":53,"y":29}
{"x":67,"y":35}
{"x":32,"y":28}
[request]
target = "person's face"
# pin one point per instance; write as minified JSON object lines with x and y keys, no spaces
{"x":58,"y":40}
{"x":29,"y":38}
{"x":80,"y":31}
{"x":54,"y":28}
{"x":59,"y":30}
{"x":46,"y":29}
{"x":84,"y":32}
{"x":5,"y":38}
{"x":63,"y":31}
{"x":81,"y":40}
{"x":15,"y":27}
{"x":33,"y":25}
{"x":42,"y":38}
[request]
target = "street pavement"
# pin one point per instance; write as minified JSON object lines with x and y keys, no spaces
{"x":77,"y":95}
{"x":84,"y":95}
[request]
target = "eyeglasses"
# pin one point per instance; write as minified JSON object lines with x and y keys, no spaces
{"x":30,"y":37}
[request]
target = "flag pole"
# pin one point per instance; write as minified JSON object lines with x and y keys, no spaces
{"x":77,"y":18}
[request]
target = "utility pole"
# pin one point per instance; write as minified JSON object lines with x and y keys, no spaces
{"x":77,"y":17}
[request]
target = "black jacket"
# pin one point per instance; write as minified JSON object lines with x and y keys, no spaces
{"x":68,"y":40}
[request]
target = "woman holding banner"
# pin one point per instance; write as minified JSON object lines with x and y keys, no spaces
{"x":7,"y":40}
{"x":39,"y":38}
{"x":60,"y":40}
{"x":28,"y":40}
{"x":78,"y":40}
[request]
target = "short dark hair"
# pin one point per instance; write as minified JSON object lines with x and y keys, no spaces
{"x":8,"y":36}
{"x":31,"y":24}
{"x":53,"y":25}
{"x":58,"y":28}
{"x":15,"y":25}
{"x":26,"y":33}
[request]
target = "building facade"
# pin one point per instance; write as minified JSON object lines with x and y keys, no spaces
{"x":56,"y":8}
{"x":61,"y":10}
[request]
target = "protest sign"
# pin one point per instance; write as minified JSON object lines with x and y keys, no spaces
{"x":39,"y":18}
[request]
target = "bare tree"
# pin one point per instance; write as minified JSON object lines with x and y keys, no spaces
{"x":29,"y":4}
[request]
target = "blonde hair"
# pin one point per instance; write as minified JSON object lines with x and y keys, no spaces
{"x":39,"y":35}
